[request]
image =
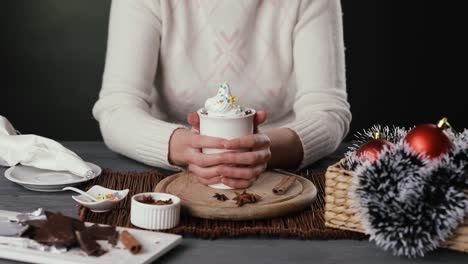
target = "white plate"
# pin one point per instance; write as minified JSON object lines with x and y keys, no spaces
{"x":154,"y":244}
{"x":46,"y":180}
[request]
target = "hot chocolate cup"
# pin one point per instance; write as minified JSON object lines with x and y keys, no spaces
{"x":227,"y":127}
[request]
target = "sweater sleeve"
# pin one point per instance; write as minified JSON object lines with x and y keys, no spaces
{"x":321,"y":110}
{"x":123,"y":108}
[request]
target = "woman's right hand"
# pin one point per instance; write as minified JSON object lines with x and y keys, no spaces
{"x":185,"y":149}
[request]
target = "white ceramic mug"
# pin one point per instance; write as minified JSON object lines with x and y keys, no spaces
{"x":227,"y":128}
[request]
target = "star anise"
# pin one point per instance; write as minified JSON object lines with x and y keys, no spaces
{"x":220,"y":197}
{"x":147,"y":199}
{"x":245,"y":198}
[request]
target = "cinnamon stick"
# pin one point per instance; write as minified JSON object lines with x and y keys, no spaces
{"x":130,"y":242}
{"x":284,"y":185}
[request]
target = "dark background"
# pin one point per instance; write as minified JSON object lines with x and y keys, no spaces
{"x":404,"y":63}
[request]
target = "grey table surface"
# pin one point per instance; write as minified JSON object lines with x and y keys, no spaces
{"x":245,"y":250}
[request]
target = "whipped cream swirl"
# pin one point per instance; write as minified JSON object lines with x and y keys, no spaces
{"x":223,"y":103}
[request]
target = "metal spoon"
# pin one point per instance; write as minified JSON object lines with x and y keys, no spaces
{"x":82,"y":193}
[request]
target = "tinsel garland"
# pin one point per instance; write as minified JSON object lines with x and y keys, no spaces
{"x":410,"y":204}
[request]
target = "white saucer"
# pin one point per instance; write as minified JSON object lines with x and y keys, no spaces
{"x":46,"y":180}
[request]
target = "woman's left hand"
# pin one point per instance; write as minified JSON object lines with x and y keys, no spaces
{"x":241,"y":169}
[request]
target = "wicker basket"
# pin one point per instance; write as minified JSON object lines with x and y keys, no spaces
{"x":341,"y":212}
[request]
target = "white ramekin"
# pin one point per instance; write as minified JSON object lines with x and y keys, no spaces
{"x":156,"y":217}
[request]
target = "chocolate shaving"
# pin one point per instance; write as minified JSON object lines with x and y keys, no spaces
{"x":148,"y":199}
{"x":130,"y":242}
{"x":245,"y":198}
{"x":220,"y":197}
{"x":283,"y":186}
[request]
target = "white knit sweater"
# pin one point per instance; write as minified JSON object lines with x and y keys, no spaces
{"x":164,"y":58}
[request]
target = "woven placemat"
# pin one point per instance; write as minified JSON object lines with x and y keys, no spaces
{"x":309,"y":224}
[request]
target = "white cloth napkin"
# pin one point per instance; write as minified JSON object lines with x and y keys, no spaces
{"x":39,"y":152}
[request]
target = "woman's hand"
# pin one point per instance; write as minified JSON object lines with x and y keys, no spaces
{"x":243,"y":168}
{"x":185,"y":149}
{"x":236,"y":169}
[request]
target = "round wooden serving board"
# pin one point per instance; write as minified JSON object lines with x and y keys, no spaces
{"x":197,"y":199}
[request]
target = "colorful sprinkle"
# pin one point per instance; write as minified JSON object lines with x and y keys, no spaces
{"x":224,"y":85}
{"x":109,"y":196}
{"x":232,"y":99}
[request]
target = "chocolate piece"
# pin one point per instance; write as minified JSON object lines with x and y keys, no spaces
{"x":88,"y":245}
{"x":33,"y":226}
{"x":130,"y":242}
{"x":284,"y":185}
{"x":108,"y":233}
{"x":63,"y":231}
{"x":56,"y":231}
{"x":220,"y":197}
{"x":36,"y":223}
{"x":76,"y":224}
{"x":245,"y":198}
{"x":248,"y":112}
{"x":148,"y":199}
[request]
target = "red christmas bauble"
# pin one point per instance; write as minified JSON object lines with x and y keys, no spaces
{"x":371,"y":150}
{"x":429,"y":139}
